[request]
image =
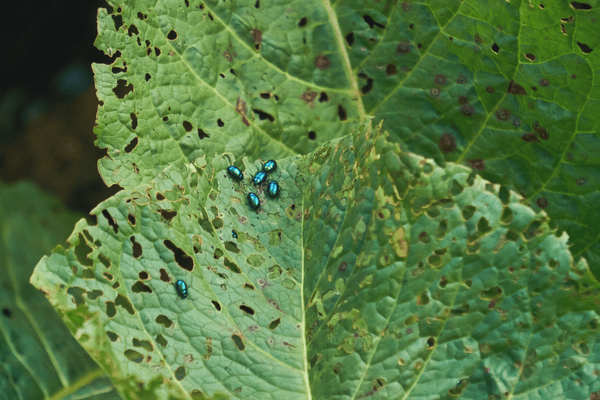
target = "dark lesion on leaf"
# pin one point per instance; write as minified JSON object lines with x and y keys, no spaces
{"x":515,"y":88}
{"x":390,"y":69}
{"x":322,"y":62}
{"x":256,"y":35}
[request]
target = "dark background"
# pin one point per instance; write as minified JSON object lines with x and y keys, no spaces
{"x":47,"y":99}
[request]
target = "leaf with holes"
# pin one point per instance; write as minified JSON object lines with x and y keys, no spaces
{"x":374,"y":273}
{"x":506,"y":89}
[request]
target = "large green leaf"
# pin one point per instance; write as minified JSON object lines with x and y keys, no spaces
{"x":376,"y":272}
{"x":39,"y":358}
{"x":508,"y":88}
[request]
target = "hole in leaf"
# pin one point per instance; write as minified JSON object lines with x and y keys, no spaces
{"x":371,"y":22}
{"x":110,"y":220}
{"x":134,"y":356}
{"x":122,"y":89}
{"x":187,"y":126}
{"x":342,"y":113}
{"x":181,"y":258}
{"x":202,"y":134}
{"x":217,"y":305}
{"x":580,"y":6}
{"x":323,"y":97}
{"x":247,"y":310}
{"x":312,"y":135}
{"x":274,"y":324}
{"x":585,"y":48}
{"x":262,"y":115}
{"x":136,"y":247}
{"x":303,"y":22}
{"x":172,"y":35}
{"x":118,"y":20}
{"x":180,"y":373}
{"x":530,"y":57}
{"x":238,"y":342}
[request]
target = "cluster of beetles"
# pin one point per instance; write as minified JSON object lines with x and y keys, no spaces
{"x":273,"y":190}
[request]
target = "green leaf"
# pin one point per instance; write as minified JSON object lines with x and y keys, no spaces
{"x":506,"y":88}
{"x":39,"y":357}
{"x":376,"y":272}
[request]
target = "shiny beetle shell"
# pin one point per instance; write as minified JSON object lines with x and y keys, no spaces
{"x":259,"y":178}
{"x":182,"y":288}
{"x":253,"y":201}
{"x":273,"y":190}
{"x":235,"y":172}
{"x":270,"y":166}
{"x":234,"y":234}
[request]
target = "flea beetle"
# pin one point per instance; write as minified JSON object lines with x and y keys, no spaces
{"x":182,"y":288}
{"x":273,"y":189}
{"x":259,"y":178}
{"x":253,"y":201}
{"x":270,"y":166}
{"x":235,"y":172}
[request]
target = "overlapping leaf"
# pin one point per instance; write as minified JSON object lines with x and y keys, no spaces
{"x":375,"y":273}
{"x":39,"y":358}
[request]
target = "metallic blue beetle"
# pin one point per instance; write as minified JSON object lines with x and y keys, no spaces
{"x":235,"y":172}
{"x":253,"y":201}
{"x":273,"y":189}
{"x":182,"y":289}
{"x":259,"y":178}
{"x":270,"y":166}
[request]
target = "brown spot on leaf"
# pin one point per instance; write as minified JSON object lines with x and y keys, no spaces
{"x":322,"y":62}
{"x":406,"y":6}
{"x":478,"y":38}
{"x":227,"y":56}
{"x":308,"y":97}
{"x":515,"y":88}
{"x":440,"y":79}
{"x":542,"y":202}
{"x":463,"y":100}
{"x":502,"y":114}
{"x":447,"y":143}
{"x":435,"y":92}
{"x":256,"y":35}
{"x":391,"y":69}
{"x":490,"y":89}
{"x":530,"y":137}
{"x":403,"y":48}
{"x":544,"y":82}
{"x":477,"y":164}
{"x":542,"y":132}
{"x":467,"y":110}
